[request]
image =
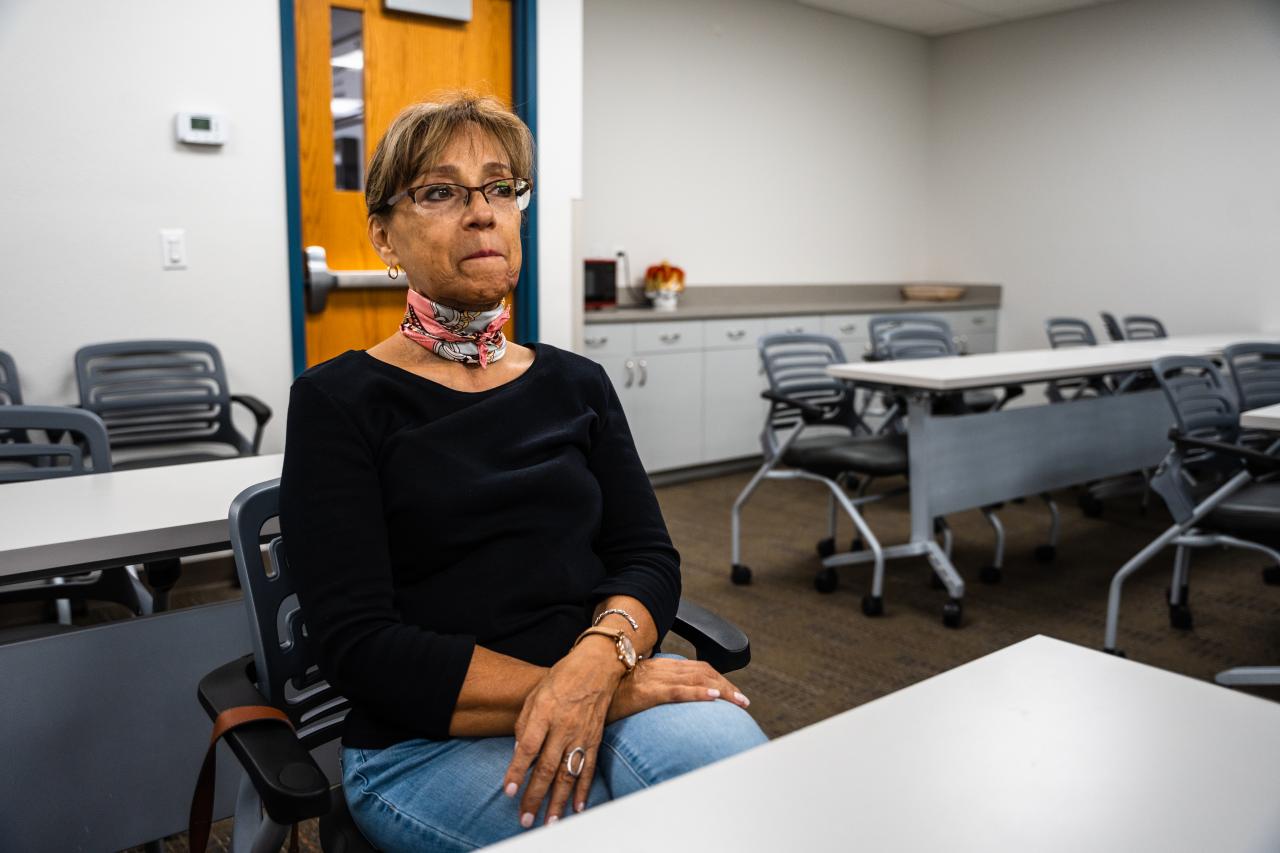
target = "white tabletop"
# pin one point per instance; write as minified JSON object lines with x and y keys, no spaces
{"x":73,"y":521}
{"x":1002,"y":368}
{"x":1041,"y":746}
{"x":1267,"y":418}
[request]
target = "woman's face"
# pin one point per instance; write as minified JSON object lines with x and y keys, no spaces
{"x":468,"y":258}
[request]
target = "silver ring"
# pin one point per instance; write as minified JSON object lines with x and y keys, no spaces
{"x":575,"y":772}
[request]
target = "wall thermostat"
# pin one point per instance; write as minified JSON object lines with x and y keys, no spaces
{"x":201,"y":128}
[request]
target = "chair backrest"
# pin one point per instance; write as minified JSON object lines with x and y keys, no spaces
{"x":10,"y":388}
{"x":153,"y":393}
{"x":796,"y":366}
{"x":31,"y":460}
{"x":1203,"y":405}
{"x":904,"y":336}
{"x":1112,"y":326}
{"x":283,"y":657}
{"x":1139,"y":327}
{"x":1069,"y":332}
{"x":1255,"y":371}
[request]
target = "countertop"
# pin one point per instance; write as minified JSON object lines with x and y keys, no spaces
{"x":727,"y":302}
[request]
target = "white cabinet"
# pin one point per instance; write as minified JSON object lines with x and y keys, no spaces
{"x":691,"y":388}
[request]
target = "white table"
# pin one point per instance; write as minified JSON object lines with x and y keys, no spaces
{"x":49,"y":526}
{"x":1042,"y":746}
{"x":969,"y":461}
{"x":1266,"y":418}
{"x":103,"y":735}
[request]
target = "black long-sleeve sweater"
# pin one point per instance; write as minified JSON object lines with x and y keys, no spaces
{"x":420,"y":521}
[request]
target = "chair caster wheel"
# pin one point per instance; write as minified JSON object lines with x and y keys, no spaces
{"x":826,"y":580}
{"x":1271,"y":575}
{"x":826,"y":547}
{"x":935,"y":582}
{"x":741,"y":575}
{"x":1046,"y":553}
{"x":990,"y":574}
{"x":872,"y":605}
{"x":1115,"y":653}
{"x":1180,"y":616}
{"x":1090,"y":506}
{"x":952,"y":613}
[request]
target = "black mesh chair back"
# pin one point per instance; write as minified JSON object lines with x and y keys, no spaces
{"x":1139,"y":327}
{"x":1112,"y":326}
{"x":796,"y":366}
{"x":283,"y":657}
{"x":1204,"y":407}
{"x":10,"y":388}
{"x":907,"y":336}
{"x":87,"y":451}
{"x":1069,"y":332}
{"x":1255,"y":372}
{"x":156,"y":393}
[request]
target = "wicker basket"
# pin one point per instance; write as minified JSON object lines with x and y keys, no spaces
{"x":933,"y":292}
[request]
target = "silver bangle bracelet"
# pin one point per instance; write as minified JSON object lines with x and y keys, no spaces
{"x":635,"y":626}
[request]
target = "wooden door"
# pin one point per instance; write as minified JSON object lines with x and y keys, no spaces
{"x":406,"y":58}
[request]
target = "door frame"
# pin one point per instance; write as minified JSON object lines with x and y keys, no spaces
{"x":524,"y":32}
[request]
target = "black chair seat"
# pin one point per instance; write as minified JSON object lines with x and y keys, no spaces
{"x":831,"y":455}
{"x":1251,"y":513}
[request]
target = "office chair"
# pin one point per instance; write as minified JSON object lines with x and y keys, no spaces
{"x":34,"y":460}
{"x":282,"y":784}
{"x":915,"y":337}
{"x":1255,"y":374}
{"x":801,"y":395}
{"x":1219,"y":491}
{"x":1138,"y":327}
{"x":1112,"y":325}
{"x":10,"y":394}
{"x":161,"y":395}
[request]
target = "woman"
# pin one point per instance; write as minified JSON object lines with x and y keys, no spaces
{"x":479,"y":552}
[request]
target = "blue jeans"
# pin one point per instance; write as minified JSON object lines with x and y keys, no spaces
{"x":445,"y":795}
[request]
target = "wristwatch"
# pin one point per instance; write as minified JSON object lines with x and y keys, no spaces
{"x":626,"y":651}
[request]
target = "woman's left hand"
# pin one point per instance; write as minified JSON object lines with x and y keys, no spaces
{"x":565,"y":712}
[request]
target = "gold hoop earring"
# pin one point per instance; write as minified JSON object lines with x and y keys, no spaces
{"x":393,"y":271}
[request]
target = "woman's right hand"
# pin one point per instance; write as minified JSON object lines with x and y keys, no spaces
{"x":658,"y":681}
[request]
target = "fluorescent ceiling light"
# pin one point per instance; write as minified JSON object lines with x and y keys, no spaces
{"x":353,"y":59}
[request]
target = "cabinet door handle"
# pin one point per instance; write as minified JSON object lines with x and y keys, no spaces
{"x":631,"y":373}
{"x":795,"y":330}
{"x":978,"y":321}
{"x":597,"y":342}
{"x":644,"y":372}
{"x":668,"y":338}
{"x":847,"y":328}
{"x":736,"y":334}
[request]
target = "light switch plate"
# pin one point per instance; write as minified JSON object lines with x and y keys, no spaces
{"x":173,"y":248}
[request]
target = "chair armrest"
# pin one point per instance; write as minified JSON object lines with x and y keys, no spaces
{"x":1258,"y":463}
{"x":269,"y":752}
{"x":812,"y":414}
{"x":715,"y":641}
{"x":261,"y":414}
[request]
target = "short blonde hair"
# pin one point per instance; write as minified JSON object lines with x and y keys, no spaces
{"x":417,"y":136}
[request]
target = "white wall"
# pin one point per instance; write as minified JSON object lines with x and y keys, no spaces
{"x":754,"y":141}
{"x":559,"y":178}
{"x":91,"y":172}
{"x":1125,"y":157}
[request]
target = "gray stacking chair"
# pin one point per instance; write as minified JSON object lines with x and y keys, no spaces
{"x":1112,"y":325}
{"x":168,"y":396}
{"x":802,"y":395}
{"x":1255,"y":373}
{"x":10,"y":394}
{"x":1219,"y":491}
{"x":82,"y":451}
{"x":895,"y":338}
{"x":1139,"y":327}
{"x":282,"y":783}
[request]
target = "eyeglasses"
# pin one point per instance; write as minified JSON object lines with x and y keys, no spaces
{"x":504,"y":194}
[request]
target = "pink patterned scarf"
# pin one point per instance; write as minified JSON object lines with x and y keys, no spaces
{"x":469,"y":337}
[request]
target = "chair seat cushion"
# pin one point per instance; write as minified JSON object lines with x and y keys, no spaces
{"x":1251,"y":513}
{"x":829,"y":455}
{"x":980,"y":401}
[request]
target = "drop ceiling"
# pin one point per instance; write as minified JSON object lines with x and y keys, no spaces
{"x":939,"y":17}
